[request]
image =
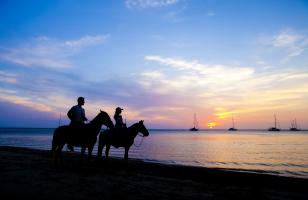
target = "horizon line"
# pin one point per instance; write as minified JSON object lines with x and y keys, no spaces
{"x":170,"y":129}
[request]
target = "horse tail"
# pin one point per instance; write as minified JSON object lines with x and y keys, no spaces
{"x":58,"y":137}
{"x":58,"y":141}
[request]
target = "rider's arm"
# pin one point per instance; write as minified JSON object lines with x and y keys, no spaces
{"x":84,"y":116}
{"x":70,"y":113}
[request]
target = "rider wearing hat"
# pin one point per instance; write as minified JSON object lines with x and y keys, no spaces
{"x":118,"y":118}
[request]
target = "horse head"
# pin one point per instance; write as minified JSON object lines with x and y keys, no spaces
{"x":105,"y":119}
{"x":142,"y":129}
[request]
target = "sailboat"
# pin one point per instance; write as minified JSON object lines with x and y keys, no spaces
{"x":294,"y":126}
{"x":195,"y":128}
{"x":232,"y":128}
{"x":275,"y":127}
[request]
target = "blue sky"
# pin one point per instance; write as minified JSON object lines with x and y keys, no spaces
{"x":162,"y":60}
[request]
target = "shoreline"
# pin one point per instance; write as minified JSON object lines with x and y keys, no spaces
{"x":30,"y":173}
{"x":178,"y":129}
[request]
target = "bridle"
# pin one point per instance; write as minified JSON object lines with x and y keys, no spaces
{"x":142,"y":137}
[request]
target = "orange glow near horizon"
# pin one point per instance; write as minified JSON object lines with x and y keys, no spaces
{"x":212,"y":124}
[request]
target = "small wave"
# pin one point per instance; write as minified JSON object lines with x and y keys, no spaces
{"x":294,"y":165}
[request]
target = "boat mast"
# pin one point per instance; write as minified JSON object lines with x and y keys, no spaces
{"x":195,"y":121}
{"x":232,"y":122}
{"x":295,"y":123}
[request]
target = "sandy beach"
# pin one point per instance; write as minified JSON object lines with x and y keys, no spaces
{"x":29,"y":173}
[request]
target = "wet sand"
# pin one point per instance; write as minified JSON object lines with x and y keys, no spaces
{"x":30,"y":174}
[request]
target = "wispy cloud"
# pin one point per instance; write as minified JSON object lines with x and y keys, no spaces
{"x":49,"y":52}
{"x":24,"y":101}
{"x":192,"y":81}
{"x":205,"y":70}
{"x":7,"y":77}
{"x":162,"y":95}
{"x":52,"y":95}
{"x":87,"y":41}
{"x":236,"y":89}
{"x":294,"y":44}
{"x":149,"y":3}
{"x":286,"y":38}
{"x":55,"y":92}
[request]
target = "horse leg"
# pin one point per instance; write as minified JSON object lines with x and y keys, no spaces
{"x":107,"y":150}
{"x":83,"y":150}
{"x":53,"y":147}
{"x":54,"y":155}
{"x":126,"y":153}
{"x":90,"y":149}
{"x":53,"y":151}
{"x":58,"y":153}
{"x":101,"y":146}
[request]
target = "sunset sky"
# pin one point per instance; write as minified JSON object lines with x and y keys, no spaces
{"x":161,"y":60}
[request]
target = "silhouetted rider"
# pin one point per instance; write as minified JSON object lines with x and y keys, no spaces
{"x":77,"y":116}
{"x":118,"y":118}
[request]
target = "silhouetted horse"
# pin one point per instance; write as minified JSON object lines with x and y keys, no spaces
{"x":84,"y":136}
{"x":120,"y":139}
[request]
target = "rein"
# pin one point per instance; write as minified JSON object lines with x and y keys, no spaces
{"x":142,"y":137}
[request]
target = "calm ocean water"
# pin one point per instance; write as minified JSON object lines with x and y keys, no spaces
{"x":282,"y":153}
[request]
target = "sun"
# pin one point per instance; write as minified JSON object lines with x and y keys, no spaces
{"x":211,"y":124}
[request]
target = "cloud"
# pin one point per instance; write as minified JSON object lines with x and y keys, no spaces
{"x":204,"y":70}
{"x":153,"y":75}
{"x":149,"y":3}
{"x":14,"y":115}
{"x":7,"y":77}
{"x":164,"y":94}
{"x":24,"y":101}
{"x":55,"y":92}
{"x":194,"y":84}
{"x":87,"y":41}
{"x":237,"y":89}
{"x":286,"y":39}
{"x":48,"y":52}
{"x":292,"y":43}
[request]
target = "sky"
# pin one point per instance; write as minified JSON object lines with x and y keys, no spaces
{"x":161,"y":60}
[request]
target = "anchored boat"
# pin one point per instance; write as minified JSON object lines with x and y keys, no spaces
{"x":195,"y":128}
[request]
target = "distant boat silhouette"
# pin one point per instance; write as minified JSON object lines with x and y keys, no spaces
{"x":232,"y":128}
{"x":294,"y":126}
{"x":275,"y":127}
{"x":195,"y":128}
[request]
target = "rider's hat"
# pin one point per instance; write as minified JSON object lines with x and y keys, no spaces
{"x":118,"y":109}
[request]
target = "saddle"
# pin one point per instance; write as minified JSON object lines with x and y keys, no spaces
{"x":76,"y":132}
{"x":119,"y":132}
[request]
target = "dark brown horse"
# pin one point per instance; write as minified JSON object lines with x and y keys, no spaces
{"x":120,"y":138}
{"x":84,"y":136}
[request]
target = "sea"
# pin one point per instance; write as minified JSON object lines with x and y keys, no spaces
{"x":283,"y":153}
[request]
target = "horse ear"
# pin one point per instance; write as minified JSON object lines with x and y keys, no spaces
{"x":100,"y":110}
{"x":141,"y":121}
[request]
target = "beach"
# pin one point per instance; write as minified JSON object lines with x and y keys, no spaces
{"x":31,"y":174}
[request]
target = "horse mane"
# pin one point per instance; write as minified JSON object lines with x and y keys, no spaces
{"x":134,"y":126}
{"x":96,"y":118}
